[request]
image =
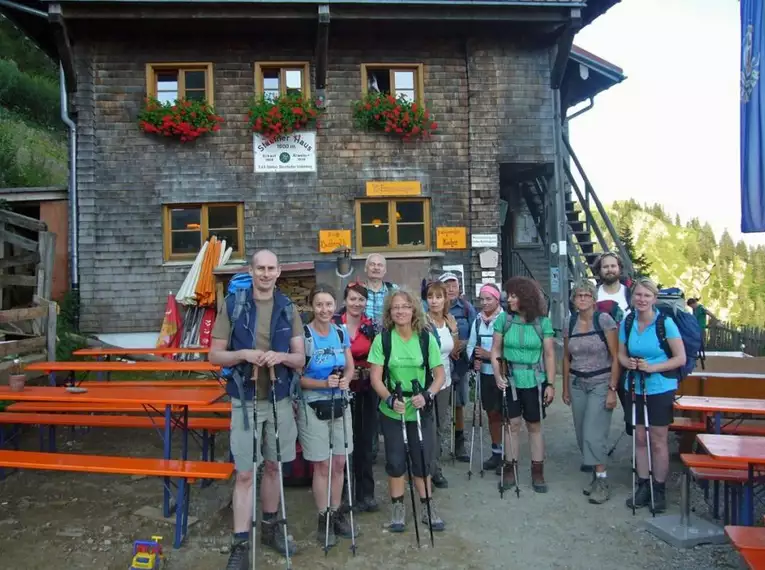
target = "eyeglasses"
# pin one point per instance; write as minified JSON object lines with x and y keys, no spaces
{"x":583,"y":295}
{"x":400,"y":307}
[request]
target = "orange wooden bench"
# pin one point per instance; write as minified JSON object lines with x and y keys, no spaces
{"x":66,"y":407}
{"x":201,"y":383}
{"x":706,"y":468}
{"x":184,"y":471}
{"x":746,"y":537}
{"x":755,"y":559}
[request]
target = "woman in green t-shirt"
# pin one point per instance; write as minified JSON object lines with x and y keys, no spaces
{"x":403,"y":324}
{"x":523,"y":338}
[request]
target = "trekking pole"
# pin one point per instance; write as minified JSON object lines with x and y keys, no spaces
{"x":472,"y":437}
{"x":634,"y":429}
{"x":454,"y":421}
{"x":504,"y":433}
{"x":416,"y":389}
{"x":328,"y":512}
{"x":648,"y":441}
{"x":506,"y":370}
{"x":613,"y":448}
{"x":255,"y":372}
{"x":272,"y":373}
{"x":400,"y":397}
{"x":479,"y":403}
{"x":350,"y":488}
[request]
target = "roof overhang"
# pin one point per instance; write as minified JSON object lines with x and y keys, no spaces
{"x":586,"y":76}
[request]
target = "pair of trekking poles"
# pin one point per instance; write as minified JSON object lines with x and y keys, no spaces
{"x":328,"y":513}
{"x":283,"y":520}
{"x":416,"y":389}
{"x":633,"y":396}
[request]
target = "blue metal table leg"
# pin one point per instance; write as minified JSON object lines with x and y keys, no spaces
{"x":167,"y":452}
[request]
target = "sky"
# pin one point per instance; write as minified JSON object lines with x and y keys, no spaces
{"x":670,"y":132}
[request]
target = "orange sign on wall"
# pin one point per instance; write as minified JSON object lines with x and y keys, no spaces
{"x":382,"y":188}
{"x":330,"y":240}
{"x":451,"y":238}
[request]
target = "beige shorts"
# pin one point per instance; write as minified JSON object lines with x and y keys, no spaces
{"x":241,"y":439}
{"x":314,"y":434}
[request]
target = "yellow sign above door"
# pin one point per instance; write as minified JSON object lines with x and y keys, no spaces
{"x":330,"y":240}
{"x":383,"y":188}
{"x":451,"y":238}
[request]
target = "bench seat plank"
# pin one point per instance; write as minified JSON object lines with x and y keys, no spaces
{"x":216,"y":408}
{"x":196,"y":423}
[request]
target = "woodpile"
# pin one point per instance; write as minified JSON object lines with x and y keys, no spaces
{"x":297,"y":289}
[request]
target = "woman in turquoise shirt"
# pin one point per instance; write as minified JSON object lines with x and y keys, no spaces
{"x":649,"y":365}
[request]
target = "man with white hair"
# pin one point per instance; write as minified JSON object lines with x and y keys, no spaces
{"x":375,"y":267}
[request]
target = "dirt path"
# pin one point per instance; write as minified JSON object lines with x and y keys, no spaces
{"x":87,"y":522}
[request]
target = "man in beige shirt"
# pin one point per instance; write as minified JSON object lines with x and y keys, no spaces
{"x":267,"y":333}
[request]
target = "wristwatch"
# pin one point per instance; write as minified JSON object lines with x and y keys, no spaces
{"x":613,"y":388}
{"x":429,"y":396}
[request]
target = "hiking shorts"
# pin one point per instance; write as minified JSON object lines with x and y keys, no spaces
{"x":395,"y":450}
{"x":241,"y":439}
{"x":491,"y":396}
{"x":314,"y":433}
{"x":661,"y":411}
{"x":527,"y":404}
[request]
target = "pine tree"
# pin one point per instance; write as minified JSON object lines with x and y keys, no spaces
{"x":678,"y":223}
{"x":639,"y":261}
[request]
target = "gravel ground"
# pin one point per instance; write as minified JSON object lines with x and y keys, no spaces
{"x":87,"y":521}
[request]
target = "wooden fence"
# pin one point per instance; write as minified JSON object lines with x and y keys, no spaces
{"x":728,"y":337}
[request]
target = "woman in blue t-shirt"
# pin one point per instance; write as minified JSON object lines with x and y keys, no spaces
{"x":650,"y":367}
{"x":324,"y":385}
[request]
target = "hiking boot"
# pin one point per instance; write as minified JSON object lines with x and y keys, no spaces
{"x":600,"y":492}
{"x":659,"y":497}
{"x":342,"y":523}
{"x":588,"y":488}
{"x":239,"y":559}
{"x":642,"y":495}
{"x":459,"y":448}
{"x":321,"y":531}
{"x":435,"y":518}
{"x":272,"y":535}
{"x":440,"y":481}
{"x":367,"y":505}
{"x":398,"y":517}
{"x":508,"y":477}
{"x":492,"y":462}
{"x":538,"y":476}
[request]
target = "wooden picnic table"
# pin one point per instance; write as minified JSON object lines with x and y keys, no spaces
{"x":143,"y":351}
{"x":100,"y":366}
{"x":745,"y":450}
{"x":151,"y":399}
{"x":701,"y":383}
{"x":719,"y":406}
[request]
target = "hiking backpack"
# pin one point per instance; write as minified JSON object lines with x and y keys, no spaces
{"x":596,"y":328}
{"x":424,"y":347}
{"x":537,"y":328}
{"x":671,"y":303}
{"x":611,"y":307}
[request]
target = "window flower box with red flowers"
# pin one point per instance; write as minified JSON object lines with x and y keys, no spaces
{"x":398,"y":116}
{"x":272,"y":117}
{"x":185,"y":119}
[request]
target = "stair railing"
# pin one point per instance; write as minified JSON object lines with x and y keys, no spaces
{"x":591,"y":196}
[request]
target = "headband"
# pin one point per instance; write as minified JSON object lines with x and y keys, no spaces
{"x":491,"y":290}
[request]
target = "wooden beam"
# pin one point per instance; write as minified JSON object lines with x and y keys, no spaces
{"x":24,"y":259}
{"x":23,"y":346}
{"x":23,"y":221}
{"x":63,"y":46}
{"x":50,"y":335}
{"x":20,"y":280}
{"x":18,"y":240}
{"x":25,"y":314}
{"x":322,"y":52}
{"x":47,"y":241}
{"x":564,"y":43}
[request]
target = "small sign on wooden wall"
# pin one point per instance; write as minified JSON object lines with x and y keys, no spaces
{"x":451,"y":238}
{"x":330,"y":240}
{"x":382,"y":188}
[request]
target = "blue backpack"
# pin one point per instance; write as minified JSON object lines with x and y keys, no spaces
{"x":671,"y":303}
{"x":239,"y":281}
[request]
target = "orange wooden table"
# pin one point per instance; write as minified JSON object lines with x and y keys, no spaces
{"x":51,"y":368}
{"x":746,"y":537}
{"x":129,"y":351}
{"x":720,"y":406}
{"x":149,"y":398}
{"x":744,"y":449}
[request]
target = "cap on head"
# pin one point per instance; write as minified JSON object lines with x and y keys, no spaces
{"x":448,"y":276}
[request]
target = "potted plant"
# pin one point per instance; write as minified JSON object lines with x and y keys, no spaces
{"x":395,"y":115}
{"x":282,"y":115}
{"x":17,"y":378}
{"x":184,"y":119}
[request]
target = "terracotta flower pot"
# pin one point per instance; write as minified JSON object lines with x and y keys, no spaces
{"x":16,"y":382}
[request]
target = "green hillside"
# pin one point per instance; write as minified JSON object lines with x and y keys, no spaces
{"x":728,"y":277}
{"x":32,"y":135}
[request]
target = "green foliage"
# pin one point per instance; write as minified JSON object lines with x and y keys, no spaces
{"x":14,"y":45}
{"x":65,"y":344}
{"x":728,"y":277}
{"x":28,"y":158}
{"x":35,"y":97}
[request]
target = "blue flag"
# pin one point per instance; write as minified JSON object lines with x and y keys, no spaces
{"x":752,"y":118}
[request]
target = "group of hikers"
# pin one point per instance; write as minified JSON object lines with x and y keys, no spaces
{"x":376,"y":359}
